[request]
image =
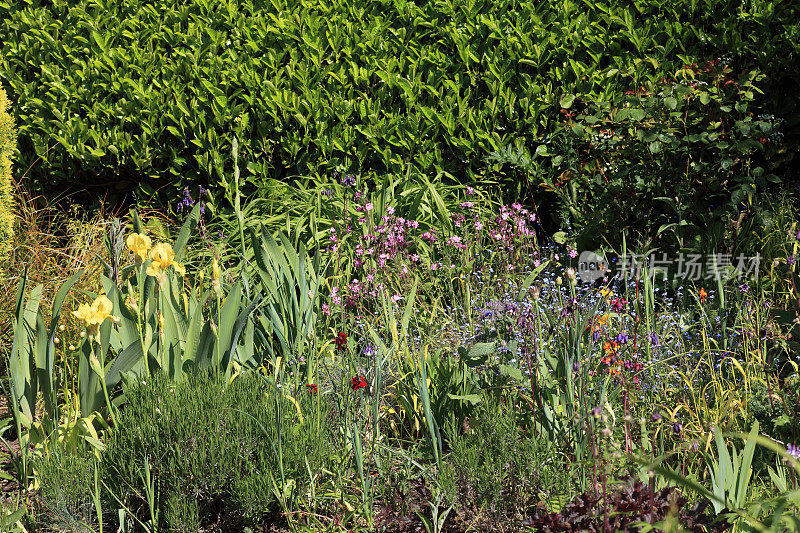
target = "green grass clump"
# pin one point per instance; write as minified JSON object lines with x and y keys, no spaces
{"x":66,"y":486}
{"x":498,"y":467}
{"x":214,"y":451}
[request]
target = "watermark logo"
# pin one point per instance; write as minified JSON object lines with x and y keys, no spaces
{"x":591,"y":267}
{"x":693,"y":267}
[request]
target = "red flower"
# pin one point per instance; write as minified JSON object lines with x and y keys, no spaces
{"x":358,"y":382}
{"x":618,"y":304}
{"x":341,"y":341}
{"x":312,"y":388}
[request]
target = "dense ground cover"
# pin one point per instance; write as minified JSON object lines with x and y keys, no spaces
{"x":442,"y":266}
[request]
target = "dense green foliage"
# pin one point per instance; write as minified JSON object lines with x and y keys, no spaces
{"x":153,"y":92}
{"x":341,"y":336}
{"x":212,"y":449}
{"x":675,"y":161}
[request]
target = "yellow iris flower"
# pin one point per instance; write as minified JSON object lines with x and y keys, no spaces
{"x":139,"y":244}
{"x":162,"y":257}
{"x":95,"y":314}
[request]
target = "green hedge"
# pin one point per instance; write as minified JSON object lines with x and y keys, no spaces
{"x":117,"y":94}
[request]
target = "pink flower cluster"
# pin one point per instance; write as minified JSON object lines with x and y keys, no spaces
{"x":388,"y":252}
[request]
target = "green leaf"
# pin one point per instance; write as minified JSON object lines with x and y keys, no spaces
{"x":477,"y":354}
{"x":187,"y":230}
{"x":228,"y":315}
{"x":512,"y":372}
{"x":567,"y":101}
{"x":126,"y":360}
{"x":474,"y":399}
{"x":637,"y":114}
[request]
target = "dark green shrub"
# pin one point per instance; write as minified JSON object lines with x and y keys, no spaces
{"x":123,"y":92}
{"x":673,"y":162}
{"x":212,"y":450}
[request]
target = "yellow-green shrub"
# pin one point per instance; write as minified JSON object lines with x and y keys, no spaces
{"x":7,"y":140}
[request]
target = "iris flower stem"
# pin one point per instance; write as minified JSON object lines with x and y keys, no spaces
{"x":102,"y":377}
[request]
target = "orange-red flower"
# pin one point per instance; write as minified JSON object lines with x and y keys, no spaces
{"x":703,"y":295}
{"x":358,"y":382}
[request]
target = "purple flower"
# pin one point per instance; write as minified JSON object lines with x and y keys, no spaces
{"x":793,"y":450}
{"x":187,"y":202}
{"x":369,"y":350}
{"x":623,"y":338}
{"x":790,"y":260}
{"x":596,"y":335}
{"x":349,"y":180}
{"x":744,"y":288}
{"x":653,"y":338}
